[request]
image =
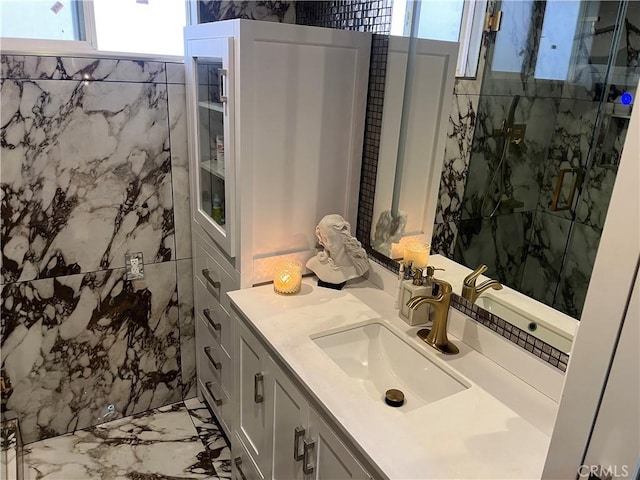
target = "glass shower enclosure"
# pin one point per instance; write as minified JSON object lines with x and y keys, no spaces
{"x":558,"y":85}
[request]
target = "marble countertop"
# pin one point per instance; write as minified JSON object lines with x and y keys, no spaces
{"x":499,"y":427}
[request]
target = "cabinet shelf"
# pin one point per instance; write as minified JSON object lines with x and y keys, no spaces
{"x":218,"y":107}
{"x":212,"y":167}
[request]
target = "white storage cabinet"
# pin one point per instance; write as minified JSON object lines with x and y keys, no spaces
{"x":275,"y":118}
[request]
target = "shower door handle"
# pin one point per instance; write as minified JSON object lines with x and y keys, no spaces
{"x":557,"y":204}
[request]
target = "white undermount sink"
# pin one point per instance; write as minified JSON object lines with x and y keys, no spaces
{"x":380,"y":360}
{"x":527,"y":322}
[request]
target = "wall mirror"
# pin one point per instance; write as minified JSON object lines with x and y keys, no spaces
{"x":533,"y":144}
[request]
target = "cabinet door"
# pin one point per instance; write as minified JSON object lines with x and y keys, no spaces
{"x":290,"y":429}
{"x":252,"y":418}
{"x":326,"y":457}
{"x":210,"y":76}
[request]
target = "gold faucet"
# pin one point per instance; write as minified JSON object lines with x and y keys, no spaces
{"x":469,"y":289}
{"x":437,"y":335}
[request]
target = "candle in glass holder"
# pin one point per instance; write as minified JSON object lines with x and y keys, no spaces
{"x":417,"y":254}
{"x":288,"y":277}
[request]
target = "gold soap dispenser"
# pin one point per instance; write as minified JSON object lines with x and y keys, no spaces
{"x":421,"y":285}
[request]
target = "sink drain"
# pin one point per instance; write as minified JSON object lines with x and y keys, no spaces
{"x":394,"y":397}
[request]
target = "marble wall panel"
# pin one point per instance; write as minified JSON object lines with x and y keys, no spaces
{"x":74,"y":344}
{"x":184,"y":270}
{"x":503,"y":168}
{"x":86,"y":176}
{"x":500,"y":242}
{"x":545,"y":257}
{"x":593,"y":202}
{"x":576,"y":273}
{"x":88,"y":149}
{"x":443,"y":240}
{"x":32,"y":67}
{"x":462,"y":123}
{"x":265,"y":10}
{"x":176,"y":73}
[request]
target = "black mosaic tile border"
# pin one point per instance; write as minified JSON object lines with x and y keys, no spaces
{"x":361,"y":15}
{"x":371,"y":147}
{"x":525,"y":340}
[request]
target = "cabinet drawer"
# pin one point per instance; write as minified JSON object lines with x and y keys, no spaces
{"x":243,"y":467}
{"x":216,"y":279}
{"x":218,"y":401}
{"x":213,"y":362}
{"x":214,"y":315}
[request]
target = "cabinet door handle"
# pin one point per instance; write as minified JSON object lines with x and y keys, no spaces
{"x":217,"y":401}
{"x":207,"y":275}
{"x":238,"y":462}
{"x":222,"y":74}
{"x":258,"y":379}
{"x":216,"y":326}
{"x":216,"y":365}
{"x":297,"y":435}
{"x":307,"y":465}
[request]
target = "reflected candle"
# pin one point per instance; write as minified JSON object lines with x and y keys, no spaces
{"x":417,"y":254}
{"x":288,"y":277}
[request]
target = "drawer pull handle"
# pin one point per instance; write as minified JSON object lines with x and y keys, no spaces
{"x":212,"y":282}
{"x":298,"y":434}
{"x":307,"y":466}
{"x":207,"y":313}
{"x":238,"y":462}
{"x":258,"y":379}
{"x":216,"y":365}
{"x":217,"y":401}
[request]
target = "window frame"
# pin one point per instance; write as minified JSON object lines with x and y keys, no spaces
{"x":470,"y":37}
{"x":471,"y":30}
{"x":88,"y":46}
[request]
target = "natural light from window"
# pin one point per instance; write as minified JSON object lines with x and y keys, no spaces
{"x":39,"y":19}
{"x":444,"y":20}
{"x":140,"y":26}
{"x":130,"y":26}
{"x":439,"y":19}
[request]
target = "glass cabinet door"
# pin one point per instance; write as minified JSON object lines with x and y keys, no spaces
{"x":209,"y":73}
{"x":211,"y":144}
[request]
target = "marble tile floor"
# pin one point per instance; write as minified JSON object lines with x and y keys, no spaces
{"x":179,"y":441}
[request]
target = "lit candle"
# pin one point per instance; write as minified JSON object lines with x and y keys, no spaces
{"x":417,"y":254}
{"x":288,"y":277}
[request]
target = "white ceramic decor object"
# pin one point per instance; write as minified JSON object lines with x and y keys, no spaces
{"x":342,"y":258}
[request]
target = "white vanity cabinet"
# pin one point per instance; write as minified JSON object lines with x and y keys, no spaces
{"x":252,"y":405}
{"x":277,"y":434}
{"x":303,"y":445}
{"x":213,"y":328}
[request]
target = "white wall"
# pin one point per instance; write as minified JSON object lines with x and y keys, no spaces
{"x":604,"y":310}
{"x":615,"y":443}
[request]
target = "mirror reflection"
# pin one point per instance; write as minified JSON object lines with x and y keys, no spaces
{"x":532,"y":146}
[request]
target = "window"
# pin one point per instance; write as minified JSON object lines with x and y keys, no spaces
{"x":41,"y":19}
{"x":131,"y":26}
{"x":445,"y":20}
